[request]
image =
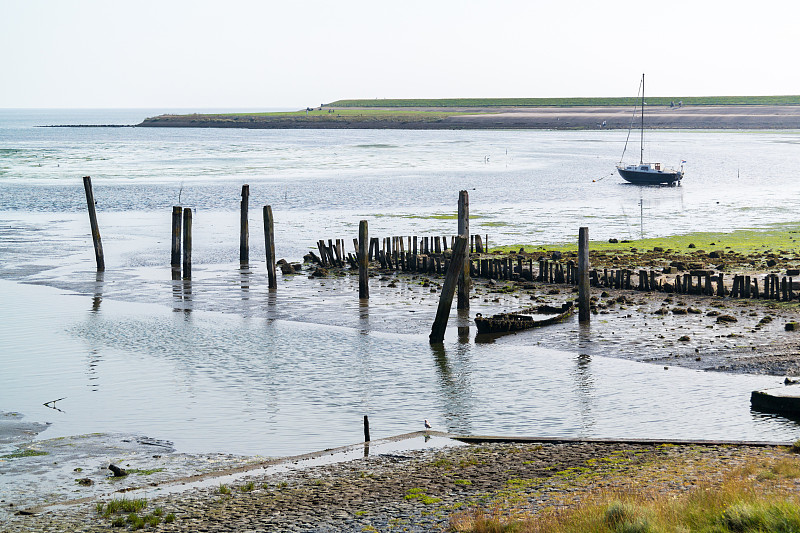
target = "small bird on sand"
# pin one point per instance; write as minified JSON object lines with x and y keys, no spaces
{"x":427,"y":424}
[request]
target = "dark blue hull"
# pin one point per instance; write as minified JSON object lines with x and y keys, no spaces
{"x":650,"y":178}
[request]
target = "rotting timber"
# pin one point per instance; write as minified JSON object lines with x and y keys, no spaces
{"x":525,"y":319}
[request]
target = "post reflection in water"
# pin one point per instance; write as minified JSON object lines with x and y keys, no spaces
{"x":456,"y":391}
{"x":182,"y":294}
{"x":244,"y":280}
{"x":98,"y":291}
{"x":363,"y":315}
{"x":584,"y":381}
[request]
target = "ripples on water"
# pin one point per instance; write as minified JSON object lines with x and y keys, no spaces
{"x":244,"y":382}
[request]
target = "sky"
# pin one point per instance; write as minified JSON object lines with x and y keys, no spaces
{"x":298,"y":53}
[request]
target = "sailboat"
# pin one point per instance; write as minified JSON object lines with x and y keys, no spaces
{"x":647,"y":173}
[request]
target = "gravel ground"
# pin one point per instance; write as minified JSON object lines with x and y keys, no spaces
{"x":423,"y":490}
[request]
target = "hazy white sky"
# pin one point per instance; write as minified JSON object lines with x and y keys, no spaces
{"x":258,"y":54}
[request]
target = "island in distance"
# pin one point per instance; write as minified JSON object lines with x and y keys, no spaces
{"x":743,"y":112}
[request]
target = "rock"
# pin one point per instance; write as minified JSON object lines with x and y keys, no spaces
{"x":320,"y":272}
{"x":685,"y":338}
{"x":792,"y":326}
{"x":714,"y":255}
{"x":613,"y":241}
{"x":678,"y":311}
{"x":286,"y":268}
{"x":118,"y":472}
{"x":85,"y":482}
{"x":694,"y":310}
{"x":658,"y":249}
{"x":281,"y":262}
{"x":691,"y":245}
{"x":793,"y":272}
{"x":724,"y":319}
{"x":297,"y":267}
{"x":556,"y":256}
{"x":771,"y":263}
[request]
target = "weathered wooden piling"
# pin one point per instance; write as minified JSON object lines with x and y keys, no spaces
{"x":98,"y":245}
{"x":187,"y":243}
{"x":366,"y":427}
{"x":175,"y":260}
{"x":269,"y":241}
{"x":448,"y":289}
{"x":244,"y":231}
{"x":463,"y":231}
{"x":363,"y":264}
{"x":584,"y":309}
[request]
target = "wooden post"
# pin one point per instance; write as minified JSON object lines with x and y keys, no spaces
{"x":269,"y":241}
{"x":187,"y":243}
{"x":448,"y":289}
{"x":583,"y":275}
{"x":244,"y":233}
{"x":175,"y":260}
{"x":98,"y":245}
{"x":363,"y":265}
{"x":463,"y":231}
{"x":366,"y":422}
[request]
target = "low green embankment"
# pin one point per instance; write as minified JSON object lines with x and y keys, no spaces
{"x":567,"y":102}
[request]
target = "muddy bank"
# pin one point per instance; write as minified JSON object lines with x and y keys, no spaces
{"x":424,"y":490}
{"x":686,"y":117}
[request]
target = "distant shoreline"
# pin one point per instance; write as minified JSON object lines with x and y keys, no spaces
{"x":758,"y":117}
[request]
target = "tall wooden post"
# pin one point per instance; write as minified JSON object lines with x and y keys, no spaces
{"x":244,"y":232}
{"x":366,"y":429}
{"x":175,"y":260}
{"x":363,"y":263}
{"x":98,"y":245}
{"x":269,"y":240}
{"x":187,"y":243}
{"x":448,"y":289}
{"x":463,"y":231}
{"x":583,"y":275}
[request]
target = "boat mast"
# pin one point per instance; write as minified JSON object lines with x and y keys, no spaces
{"x":641,"y":141}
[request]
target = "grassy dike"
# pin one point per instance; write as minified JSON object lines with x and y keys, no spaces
{"x":567,"y":102}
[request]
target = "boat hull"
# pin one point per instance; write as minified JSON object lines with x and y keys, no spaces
{"x":639,"y":177}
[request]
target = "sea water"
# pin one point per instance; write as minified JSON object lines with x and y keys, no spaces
{"x":228,"y":367}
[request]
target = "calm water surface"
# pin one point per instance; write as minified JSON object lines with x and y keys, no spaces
{"x":227,"y":375}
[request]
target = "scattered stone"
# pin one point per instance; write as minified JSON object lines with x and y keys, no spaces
{"x":320,"y":272}
{"x":685,"y":338}
{"x":792,"y":326}
{"x":613,"y":241}
{"x":118,"y":472}
{"x":726,"y":319}
{"x":85,"y":482}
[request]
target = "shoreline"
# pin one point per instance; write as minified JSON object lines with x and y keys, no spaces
{"x":431,"y":489}
{"x":754,"y":117}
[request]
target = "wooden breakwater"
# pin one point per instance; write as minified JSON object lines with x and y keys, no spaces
{"x":421,"y":254}
{"x":431,"y":255}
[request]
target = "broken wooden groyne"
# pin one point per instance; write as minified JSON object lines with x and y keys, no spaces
{"x":431,"y":255}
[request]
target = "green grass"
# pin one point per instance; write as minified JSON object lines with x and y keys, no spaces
{"x":564,"y":102}
{"x":419,"y":495}
{"x":121,"y":506}
{"x":784,"y":236}
{"x":144,"y":472}
{"x":744,"y":501}
{"x":224,"y":489}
